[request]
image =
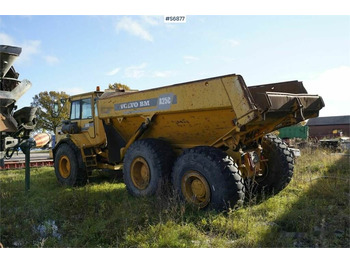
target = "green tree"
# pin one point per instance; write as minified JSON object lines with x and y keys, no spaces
{"x":45,"y":101}
{"x":119,"y":86}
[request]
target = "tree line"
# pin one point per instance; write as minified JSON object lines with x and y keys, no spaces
{"x":47,"y":120}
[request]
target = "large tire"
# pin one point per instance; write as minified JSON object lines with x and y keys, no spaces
{"x":67,"y":168}
{"x":277,"y":171}
{"x":147,"y":167}
{"x":206,"y":177}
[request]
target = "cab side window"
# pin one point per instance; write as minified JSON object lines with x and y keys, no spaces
{"x":86,"y":111}
{"x":75,"y":110}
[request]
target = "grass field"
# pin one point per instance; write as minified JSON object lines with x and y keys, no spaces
{"x":313,"y":211}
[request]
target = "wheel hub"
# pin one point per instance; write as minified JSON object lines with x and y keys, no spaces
{"x":140,"y":173}
{"x":64,"y":166}
{"x":196,"y":189}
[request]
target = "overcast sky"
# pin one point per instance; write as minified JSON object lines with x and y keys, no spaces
{"x":76,"y":53}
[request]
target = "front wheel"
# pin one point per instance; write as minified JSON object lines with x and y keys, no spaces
{"x":67,"y":168}
{"x":206,"y":177}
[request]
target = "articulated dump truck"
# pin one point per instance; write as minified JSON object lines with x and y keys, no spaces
{"x":209,"y":139}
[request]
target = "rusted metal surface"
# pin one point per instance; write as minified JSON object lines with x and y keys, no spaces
{"x":15,"y":126}
{"x":292,"y":87}
{"x":286,"y":96}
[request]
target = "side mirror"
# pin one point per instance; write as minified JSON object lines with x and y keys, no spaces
{"x":56,"y":111}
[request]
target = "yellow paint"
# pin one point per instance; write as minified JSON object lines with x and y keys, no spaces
{"x":64,"y":166}
{"x":218,"y":112}
{"x":92,"y":134}
{"x":140,"y":173}
{"x":195,"y":189}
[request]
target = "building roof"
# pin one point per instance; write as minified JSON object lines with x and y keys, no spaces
{"x":329,"y":120}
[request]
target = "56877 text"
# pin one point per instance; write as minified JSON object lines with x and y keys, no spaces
{"x":174,"y":19}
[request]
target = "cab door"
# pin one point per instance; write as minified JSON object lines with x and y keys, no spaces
{"x":82,"y":113}
{"x":87,"y":118}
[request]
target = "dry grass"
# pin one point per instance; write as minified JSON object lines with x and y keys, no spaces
{"x":313,"y":211}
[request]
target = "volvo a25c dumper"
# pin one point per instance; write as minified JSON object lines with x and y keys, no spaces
{"x":208,"y":139}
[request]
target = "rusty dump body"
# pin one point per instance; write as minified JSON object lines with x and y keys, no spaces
{"x":218,"y":112}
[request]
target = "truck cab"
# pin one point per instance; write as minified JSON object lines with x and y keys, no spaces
{"x":82,"y":135}
{"x":83,"y":125}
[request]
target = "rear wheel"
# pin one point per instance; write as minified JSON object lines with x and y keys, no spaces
{"x":206,"y":177}
{"x":67,"y":168}
{"x":147,"y":167}
{"x":277,"y":171}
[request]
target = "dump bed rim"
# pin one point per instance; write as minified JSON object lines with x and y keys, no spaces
{"x":168,"y":86}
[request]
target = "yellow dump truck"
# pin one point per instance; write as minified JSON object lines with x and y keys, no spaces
{"x":209,"y":139}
